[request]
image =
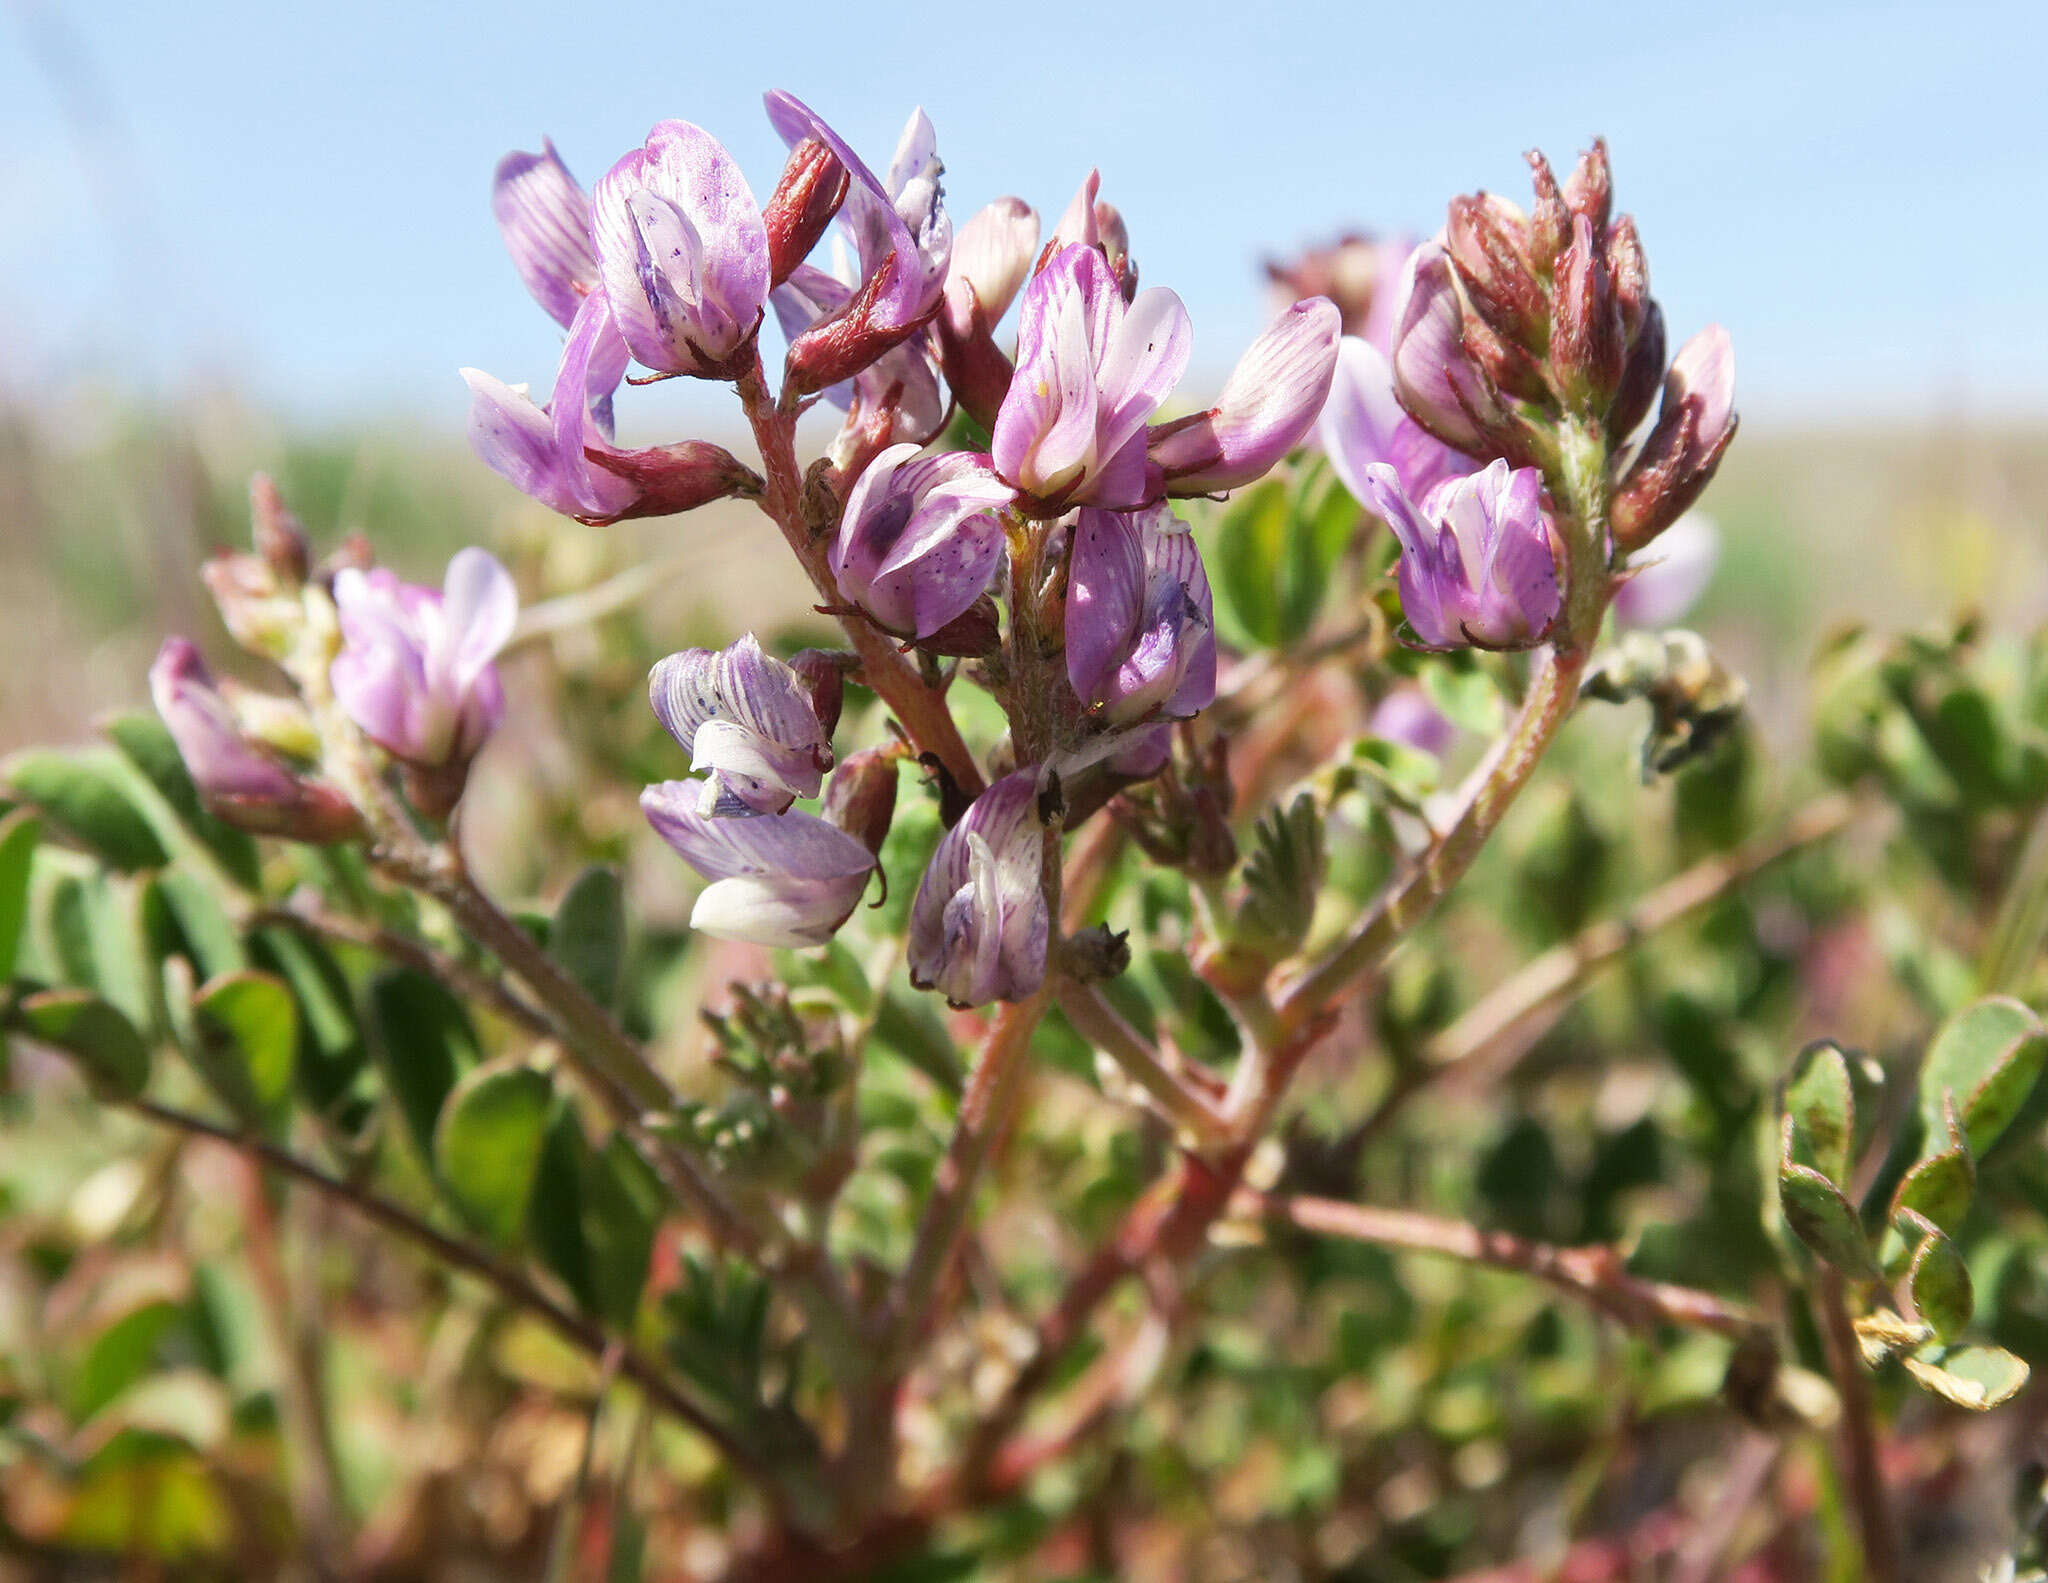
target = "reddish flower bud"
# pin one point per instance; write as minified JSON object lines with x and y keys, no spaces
{"x":1589,"y":190}
{"x":1629,"y":269}
{"x":861,"y":796}
{"x":280,"y":537}
{"x":1695,"y":424}
{"x":812,"y":188}
{"x":1550,"y":224}
{"x":1587,"y":351}
{"x":1639,"y":380}
{"x":822,"y":675}
{"x":1485,"y":238}
{"x":673,"y":478}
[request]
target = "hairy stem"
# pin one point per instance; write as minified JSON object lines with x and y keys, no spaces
{"x":921,"y":708}
{"x":1878,"y":1533}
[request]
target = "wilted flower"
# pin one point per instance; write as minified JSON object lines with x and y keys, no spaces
{"x":563,"y":455}
{"x":238,"y":780}
{"x":683,"y":252}
{"x":1667,"y":577}
{"x":1090,"y":371}
{"x":1695,"y":425}
{"x":979,"y":927}
{"x":920,"y":539}
{"x":415,"y":670}
{"x":1479,"y":564}
{"x":1269,"y":402}
{"x":1364,"y":422}
{"x":787,"y":879}
{"x":1140,"y":627}
{"x":747,"y":718}
{"x":544,"y":217}
{"x":902,"y":237}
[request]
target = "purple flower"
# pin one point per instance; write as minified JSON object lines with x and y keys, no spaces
{"x":1364,"y":423}
{"x":787,"y":879}
{"x":901,"y":235}
{"x":1097,"y":224}
{"x":545,"y":220}
{"x":415,"y":670}
{"x":748,"y":719}
{"x":562,"y":454}
{"x":979,"y":927}
{"x":1695,"y":424}
{"x":1090,"y":371}
{"x":683,"y":252}
{"x":238,"y":781}
{"x":920,"y":539}
{"x":1407,"y":716}
{"x":1140,"y":627}
{"x":992,"y":258}
{"x":900,"y":382}
{"x":1479,"y":565}
{"x":1269,"y":402}
{"x":1439,"y":384}
{"x":1668,"y":576}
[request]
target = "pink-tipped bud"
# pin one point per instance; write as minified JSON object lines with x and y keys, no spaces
{"x":812,"y":188}
{"x":1629,"y":268}
{"x":1550,"y":223}
{"x":1589,"y":189}
{"x":1695,"y":424}
{"x":673,"y":478}
{"x":260,"y":611}
{"x":1486,"y":238}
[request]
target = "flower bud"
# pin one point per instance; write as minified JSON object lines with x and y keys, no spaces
{"x":991,"y":258}
{"x":415,"y":671}
{"x":1695,"y":423}
{"x":1437,"y":381}
{"x":238,"y":781}
{"x":260,"y":611}
{"x":1589,"y":189}
{"x":1587,"y":349}
{"x":1268,"y":404}
{"x":1550,"y":222}
{"x":979,"y":926}
{"x":861,"y":796}
{"x":280,"y":536}
{"x":1485,"y":238}
{"x":544,"y":217}
{"x":1140,"y":628}
{"x":787,"y":879}
{"x":683,"y":253}
{"x":920,"y":539}
{"x":1363,"y":422}
{"x":822,"y":675}
{"x":812,"y":188}
{"x":1639,"y":380}
{"x":748,"y":719}
{"x":1479,"y":563}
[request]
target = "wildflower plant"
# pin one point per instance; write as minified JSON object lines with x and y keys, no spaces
{"x":1097,"y":851}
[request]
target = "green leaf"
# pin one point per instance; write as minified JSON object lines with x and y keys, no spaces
{"x":201,"y":928}
{"x":622,"y":1203}
{"x":422,"y":1040}
{"x":1988,"y":1055}
{"x":94,"y":1033}
{"x":19,"y":832}
{"x":1939,"y":1189}
{"x":1939,"y":1282}
{"x":910,"y":1026}
{"x":245,"y":1030}
{"x":555,"y":1207}
{"x":588,"y":933}
{"x":332,"y":1050}
{"x":492,"y":1132}
{"x":1978,"y":1378}
{"x":81,"y":797}
{"x":1464,"y":694}
{"x":118,"y":1357}
{"x":145,"y":743}
{"x":1822,"y":1219}
{"x":1244,"y":556}
{"x":1822,"y":1108}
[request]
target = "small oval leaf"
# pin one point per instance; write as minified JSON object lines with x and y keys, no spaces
{"x":19,"y":832}
{"x":588,"y":933}
{"x":489,"y":1146}
{"x":95,"y":1034}
{"x":245,"y":1029}
{"x":84,"y":799}
{"x":1978,"y":1378}
{"x":1989,"y":1056}
{"x":1939,"y":1187}
{"x":1822,"y":1106}
{"x":1821,"y":1218}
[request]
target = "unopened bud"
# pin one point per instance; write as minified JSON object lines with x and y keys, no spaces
{"x":280,"y":537}
{"x":1485,"y":237}
{"x":1695,"y":424}
{"x":1550,"y":223}
{"x":1629,"y":269}
{"x":281,"y":724}
{"x":675,"y":478}
{"x":812,"y":188}
{"x":822,"y":675}
{"x":1116,"y":247}
{"x":974,"y":634}
{"x":840,"y":346}
{"x":260,"y":612}
{"x":1096,"y":953}
{"x":1694,"y":699}
{"x":1639,"y":380}
{"x":1587,"y":352}
{"x":1589,"y":190}
{"x":860,"y":798}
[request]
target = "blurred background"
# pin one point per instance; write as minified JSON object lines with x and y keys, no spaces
{"x":249,"y":236}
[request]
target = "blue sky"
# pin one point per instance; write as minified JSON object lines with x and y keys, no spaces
{"x":292,"y":198}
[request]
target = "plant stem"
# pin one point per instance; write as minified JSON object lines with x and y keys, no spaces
{"x":1097,"y":1021}
{"x":510,"y":1283}
{"x":1879,"y":1534}
{"x":922,"y":709}
{"x":1594,"y":1274}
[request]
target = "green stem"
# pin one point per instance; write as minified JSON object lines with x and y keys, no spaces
{"x":1097,"y":1021}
